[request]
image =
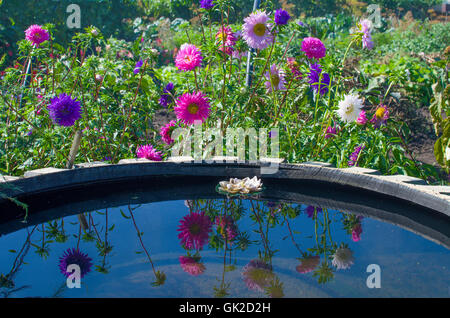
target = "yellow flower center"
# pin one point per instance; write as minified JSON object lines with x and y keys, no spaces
{"x":221,"y":36}
{"x":380,"y":112}
{"x":349,"y":109}
{"x":259,"y":29}
{"x":275,"y":79}
{"x":193,"y":108}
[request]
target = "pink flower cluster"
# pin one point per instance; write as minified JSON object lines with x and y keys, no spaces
{"x":189,"y":57}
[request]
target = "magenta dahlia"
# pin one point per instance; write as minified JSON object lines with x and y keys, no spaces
{"x":148,"y":152}
{"x":188,"y":58}
{"x":192,"y":107}
{"x":166,"y":132}
{"x":194,"y":230}
{"x":362,"y":118}
{"x":356,"y":232}
{"x":36,"y":34}
{"x":256,"y":31}
{"x":313,"y":48}
{"x":226,"y":40}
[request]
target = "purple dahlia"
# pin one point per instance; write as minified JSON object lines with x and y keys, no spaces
{"x":314,"y":78}
{"x":64,"y":110}
{"x":74,"y":256}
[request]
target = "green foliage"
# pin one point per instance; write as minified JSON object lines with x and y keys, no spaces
{"x":440,"y":114}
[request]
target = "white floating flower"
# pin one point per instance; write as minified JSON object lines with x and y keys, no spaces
{"x":349,"y":108}
{"x":343,"y":258}
{"x":253,"y":185}
{"x":241,"y":186}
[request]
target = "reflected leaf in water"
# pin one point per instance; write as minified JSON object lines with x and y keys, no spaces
{"x":160,"y":279}
{"x":74,"y":256}
{"x":5,"y":282}
{"x":324,"y":273}
{"x":192,"y":265}
{"x":53,"y":232}
{"x":194,"y":230}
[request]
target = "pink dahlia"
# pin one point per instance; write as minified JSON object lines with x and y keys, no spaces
{"x":191,"y":266}
{"x":362,"y":118}
{"x":308,"y":264}
{"x":148,"y":152}
{"x":226,"y":40}
{"x":188,"y":58}
{"x":194,"y":230}
{"x":356,"y":232}
{"x":256,"y":32}
{"x":226,"y":227}
{"x":36,"y":34}
{"x":313,"y":48}
{"x":166,"y":132}
{"x":275,"y":79}
{"x":192,"y":107}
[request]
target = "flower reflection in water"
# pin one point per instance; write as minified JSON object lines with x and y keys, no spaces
{"x":194,"y":230}
{"x":241,"y":232}
{"x":257,"y":275}
{"x":74,"y":256}
{"x":192,"y":265}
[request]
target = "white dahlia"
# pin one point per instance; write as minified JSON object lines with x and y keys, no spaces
{"x":350,"y":107}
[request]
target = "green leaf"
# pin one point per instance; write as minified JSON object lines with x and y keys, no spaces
{"x":123,"y":214}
